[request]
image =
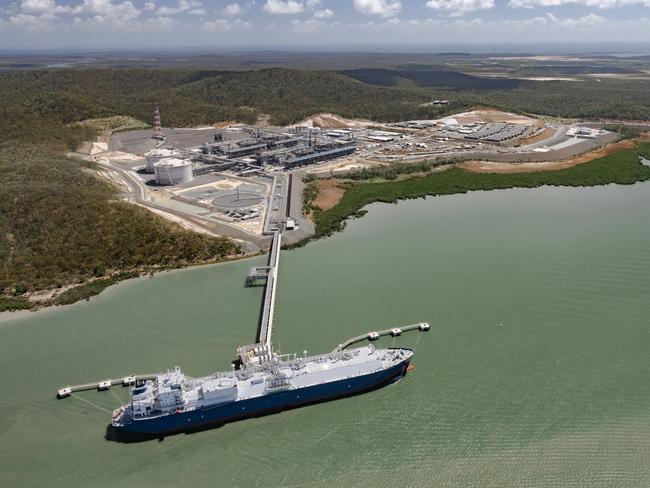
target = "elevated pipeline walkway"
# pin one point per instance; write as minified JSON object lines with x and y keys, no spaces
{"x":422,"y":326}
{"x":262,"y":350}
{"x":268,"y":306}
{"x":104,"y":384}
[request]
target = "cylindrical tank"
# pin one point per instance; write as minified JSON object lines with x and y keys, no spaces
{"x":156,"y":155}
{"x":173,"y":171}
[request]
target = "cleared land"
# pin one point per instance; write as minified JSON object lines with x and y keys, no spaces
{"x":492,"y":167}
{"x":547,"y":133}
{"x":330,"y":193}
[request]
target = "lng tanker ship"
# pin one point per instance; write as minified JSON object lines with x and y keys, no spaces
{"x":174,"y":402}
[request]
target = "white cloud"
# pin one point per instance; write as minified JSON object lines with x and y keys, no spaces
{"x":461,"y":7}
{"x":312,"y":4}
{"x":550,"y":21}
{"x":284,"y":7}
{"x":588,"y":21}
{"x":42,"y":7}
{"x":603,"y":4}
{"x":30,"y":22}
{"x":149,"y":6}
{"x":384,"y":8}
{"x":233,"y":10}
{"x":324,"y":14}
{"x":180,"y":7}
{"x":306,"y":26}
{"x":225,"y":25}
{"x":197,"y":11}
{"x":160,"y":23}
{"x":106,"y":10}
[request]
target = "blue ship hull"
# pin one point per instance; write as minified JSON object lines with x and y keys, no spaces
{"x":266,"y":404}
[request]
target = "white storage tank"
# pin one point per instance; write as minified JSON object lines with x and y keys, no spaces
{"x":156,"y":155}
{"x":173,"y":171}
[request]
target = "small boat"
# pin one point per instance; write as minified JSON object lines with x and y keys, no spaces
{"x":424,"y":326}
{"x":64,"y":392}
{"x":396,"y":331}
{"x":104,"y":385}
{"x":128,"y":380}
{"x":373,"y":336}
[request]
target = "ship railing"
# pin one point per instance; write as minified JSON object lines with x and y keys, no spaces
{"x":271,"y":367}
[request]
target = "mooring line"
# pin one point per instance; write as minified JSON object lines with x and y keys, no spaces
{"x":91,"y":403}
{"x":417,"y":340}
{"x":119,"y":400}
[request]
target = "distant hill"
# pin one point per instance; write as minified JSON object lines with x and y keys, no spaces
{"x":424,"y":77}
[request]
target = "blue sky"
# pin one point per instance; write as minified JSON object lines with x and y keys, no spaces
{"x":303,"y":24}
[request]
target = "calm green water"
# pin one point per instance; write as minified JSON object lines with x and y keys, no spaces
{"x":536,"y":371}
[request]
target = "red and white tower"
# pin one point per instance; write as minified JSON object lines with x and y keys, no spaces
{"x":157,"y":130}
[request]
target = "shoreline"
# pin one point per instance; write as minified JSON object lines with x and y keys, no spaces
{"x":7,"y":315}
{"x":620,"y":167}
{"x":332,"y":219}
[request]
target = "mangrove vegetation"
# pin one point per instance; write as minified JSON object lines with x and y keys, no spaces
{"x":622,"y":168}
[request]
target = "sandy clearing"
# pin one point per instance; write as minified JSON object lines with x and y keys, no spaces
{"x":492,"y":167}
{"x":543,"y":57}
{"x":549,"y":78}
{"x":491,"y":115}
{"x":329,"y":194}
{"x":546,"y":134}
{"x":333,"y":121}
{"x":619,"y":76}
{"x":121,"y":156}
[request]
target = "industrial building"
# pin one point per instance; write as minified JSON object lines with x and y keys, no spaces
{"x":584,"y":132}
{"x":488,"y":132}
{"x":173,"y":171}
{"x":285,"y":149}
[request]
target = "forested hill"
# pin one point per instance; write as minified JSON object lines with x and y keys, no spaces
{"x":59,"y":225}
{"x":190,"y":97}
{"x":432,"y":77}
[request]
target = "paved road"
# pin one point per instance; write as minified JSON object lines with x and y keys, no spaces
{"x":306,"y":226}
{"x":137,"y":193}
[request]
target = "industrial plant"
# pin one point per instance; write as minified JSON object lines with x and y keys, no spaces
{"x":246,"y":151}
{"x":239,"y":179}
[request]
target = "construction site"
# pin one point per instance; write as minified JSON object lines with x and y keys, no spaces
{"x":243,"y":181}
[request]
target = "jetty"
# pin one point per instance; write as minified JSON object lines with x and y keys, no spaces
{"x":262,"y":350}
{"x":104,"y":384}
{"x":373,"y":335}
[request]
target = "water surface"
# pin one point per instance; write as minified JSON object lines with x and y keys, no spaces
{"x":535,"y":373}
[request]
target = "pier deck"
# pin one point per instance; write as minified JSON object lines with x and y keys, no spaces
{"x":268,"y":306}
{"x":257,"y":273}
